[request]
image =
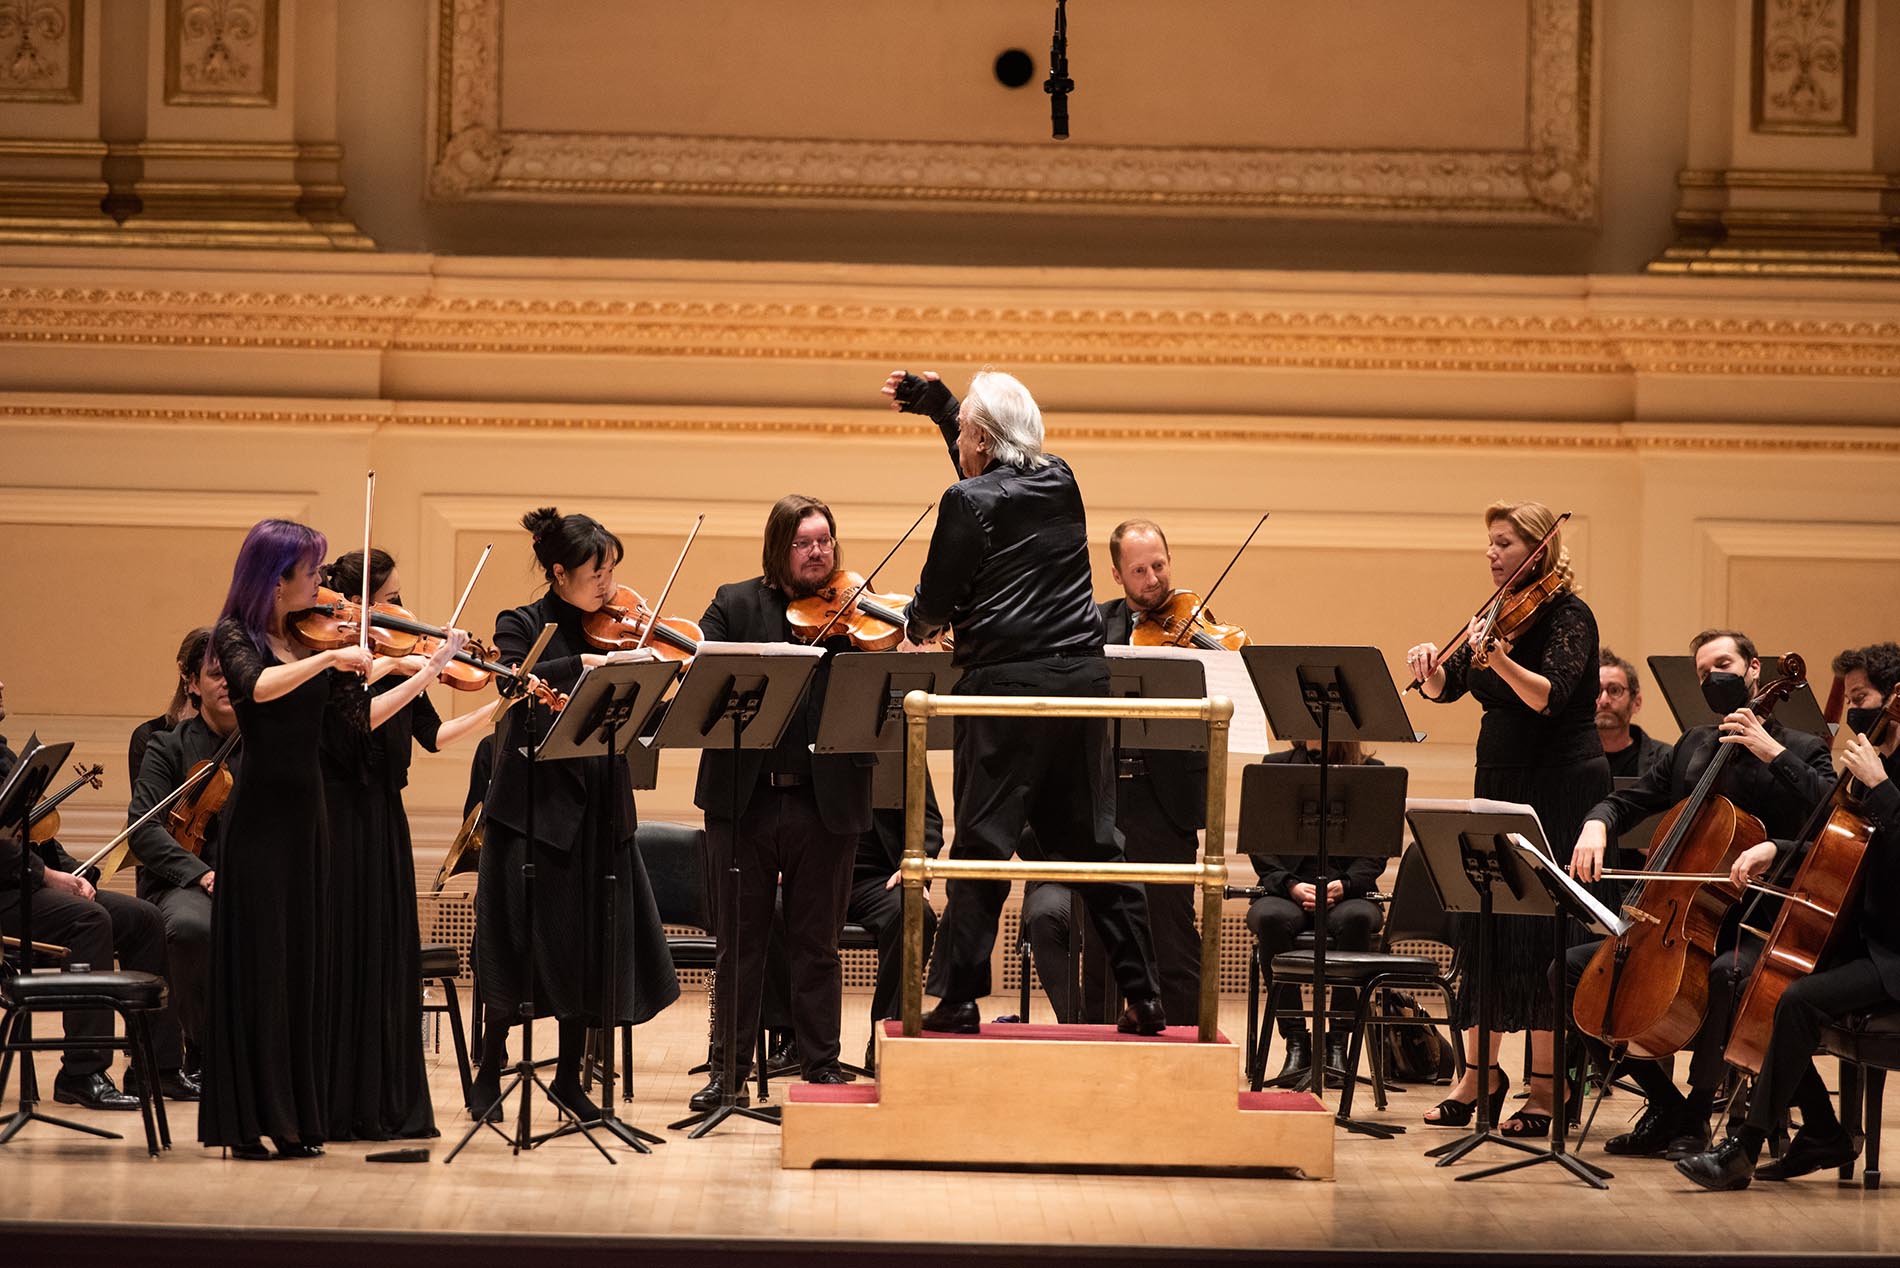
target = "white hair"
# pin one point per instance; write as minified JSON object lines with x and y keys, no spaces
{"x":1008,"y":415}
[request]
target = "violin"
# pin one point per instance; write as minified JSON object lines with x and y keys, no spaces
{"x":1522,"y":607}
{"x":843,"y":605}
{"x":43,"y":821}
{"x":1183,"y":620}
{"x":190,"y":816}
{"x":1648,"y":990}
{"x":1809,"y":929}
{"x":394,"y":631}
{"x":625,"y":623}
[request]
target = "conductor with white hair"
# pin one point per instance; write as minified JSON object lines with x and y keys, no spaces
{"x":1009,"y":569}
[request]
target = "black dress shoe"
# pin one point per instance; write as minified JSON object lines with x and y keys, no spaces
{"x":1651,"y":1135}
{"x":783,"y":1049}
{"x":294,"y":1149}
{"x":870,"y":1056}
{"x":828,"y":1074}
{"x":954,"y":1018}
{"x":1143,"y":1017}
{"x":576,"y":1102}
{"x":1299,"y":1056}
{"x":173,"y":1085}
{"x":251,"y":1153}
{"x":93,"y":1092}
{"x":710,"y":1096}
{"x":1336,"y":1041}
{"x":484,"y":1099}
{"x":1692,"y":1137}
{"x":1725,"y":1167}
{"x":1809,"y":1152}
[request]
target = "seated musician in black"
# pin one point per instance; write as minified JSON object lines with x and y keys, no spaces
{"x":94,"y":925}
{"x":1779,"y":776}
{"x":1287,"y":910}
{"x":1864,"y":974}
{"x":1631,"y":751}
{"x":174,"y":880}
{"x":179,"y":710}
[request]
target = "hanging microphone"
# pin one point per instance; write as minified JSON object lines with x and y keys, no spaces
{"x":1059,"y":85}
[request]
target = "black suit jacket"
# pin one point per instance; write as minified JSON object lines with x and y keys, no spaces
{"x":754,"y":612}
{"x":1779,"y":793}
{"x":1278,"y":873}
{"x":169,"y":757}
{"x":1179,"y":776}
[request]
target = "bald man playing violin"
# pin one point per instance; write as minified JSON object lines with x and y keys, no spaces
{"x":1160,"y":807}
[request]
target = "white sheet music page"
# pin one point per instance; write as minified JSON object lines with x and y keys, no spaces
{"x":1226,"y":676}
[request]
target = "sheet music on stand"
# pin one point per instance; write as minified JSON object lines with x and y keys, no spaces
{"x":1226,"y":676}
{"x":1602,"y":919}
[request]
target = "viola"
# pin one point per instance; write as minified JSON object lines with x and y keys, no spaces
{"x":1648,"y":990}
{"x":1183,"y":620}
{"x":1809,"y":929}
{"x":43,"y":821}
{"x":625,"y":623}
{"x":190,"y":816}
{"x":1507,"y":613}
{"x":843,"y":605}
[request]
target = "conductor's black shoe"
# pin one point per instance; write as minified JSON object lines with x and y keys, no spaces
{"x":954,"y":1018}
{"x":1652,"y":1134}
{"x":173,"y":1085}
{"x":1299,"y":1056}
{"x":713,"y":1093}
{"x":1809,"y":1152}
{"x":91,"y":1091}
{"x":827,"y":1074}
{"x":1727,"y":1166}
{"x":1143,"y":1017}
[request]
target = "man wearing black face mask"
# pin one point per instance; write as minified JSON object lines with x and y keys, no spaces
{"x":1779,"y":776}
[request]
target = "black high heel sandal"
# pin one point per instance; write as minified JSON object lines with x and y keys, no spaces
{"x":1456,"y":1113}
{"x":1528,"y":1125}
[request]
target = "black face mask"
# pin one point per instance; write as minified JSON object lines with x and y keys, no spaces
{"x":1861,"y":721}
{"x":1725,"y":693}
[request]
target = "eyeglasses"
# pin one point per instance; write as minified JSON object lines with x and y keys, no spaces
{"x":812,"y":545}
{"x":1615,"y":691}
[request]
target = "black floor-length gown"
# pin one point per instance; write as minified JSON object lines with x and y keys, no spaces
{"x":264,"y":1042}
{"x":1551,"y":761}
{"x":583,"y":810}
{"x":377,"y":1084}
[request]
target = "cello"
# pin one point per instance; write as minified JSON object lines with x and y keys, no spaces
{"x":1809,"y":928}
{"x":1647,"y":991}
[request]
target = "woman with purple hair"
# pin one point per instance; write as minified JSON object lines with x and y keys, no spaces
{"x":263,"y":1033}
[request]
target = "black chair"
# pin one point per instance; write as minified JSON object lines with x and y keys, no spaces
{"x":1414,"y":913}
{"x":442,"y":964}
{"x":1868,"y":1045}
{"x":675,"y":859}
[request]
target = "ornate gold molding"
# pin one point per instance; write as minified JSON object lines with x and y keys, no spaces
{"x":1551,"y":179}
{"x":1804,"y":66}
{"x":221,"y":52}
{"x":1590,"y":438}
{"x":42,"y":50}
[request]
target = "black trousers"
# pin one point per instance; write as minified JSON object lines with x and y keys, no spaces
{"x":96,"y":930}
{"x":1788,"y":1076}
{"x":1148,"y":836}
{"x":782,"y":843}
{"x":1276,"y":922}
{"x":881,"y":911}
{"x":187,"y":916}
{"x":1728,"y":977}
{"x":1056,"y":776}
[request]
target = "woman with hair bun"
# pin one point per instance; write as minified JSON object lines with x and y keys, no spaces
{"x":1537,"y":744}
{"x":377,"y":1083}
{"x":583,"y":819}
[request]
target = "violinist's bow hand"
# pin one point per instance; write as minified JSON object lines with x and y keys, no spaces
{"x":632,"y":656}
{"x":1422,"y":660}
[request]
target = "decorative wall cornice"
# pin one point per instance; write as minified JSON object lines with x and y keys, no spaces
{"x":1552,"y":178}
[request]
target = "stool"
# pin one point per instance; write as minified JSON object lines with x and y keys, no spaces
{"x":133,"y":996}
{"x":1868,"y":1045}
{"x":442,"y":964}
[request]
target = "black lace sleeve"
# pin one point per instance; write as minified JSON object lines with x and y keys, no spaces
{"x":349,"y":700}
{"x":1569,"y":654}
{"x":243,"y":663}
{"x":1457,"y":674}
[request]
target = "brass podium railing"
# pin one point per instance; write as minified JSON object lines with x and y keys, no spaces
{"x":917,"y":868}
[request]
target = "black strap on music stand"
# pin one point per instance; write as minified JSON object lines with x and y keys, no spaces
{"x":606,"y":712}
{"x":738,"y":699}
{"x":1475,"y":867}
{"x":1281,"y":813}
{"x":1682,"y":691}
{"x":1322,"y":695}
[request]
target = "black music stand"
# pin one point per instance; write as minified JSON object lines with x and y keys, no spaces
{"x":1323,"y":694}
{"x":1475,"y":866}
{"x":1682,"y":691}
{"x":1364,"y":817}
{"x":741,"y":696}
{"x":864,"y":711}
{"x":36,"y":769}
{"x":606,"y":712}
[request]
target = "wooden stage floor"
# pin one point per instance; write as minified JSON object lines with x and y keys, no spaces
{"x":72,"y":1200}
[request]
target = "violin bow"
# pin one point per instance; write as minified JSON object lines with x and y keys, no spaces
{"x":362,"y":627}
{"x":869,"y":577}
{"x":469,"y":589}
{"x":659,"y":604}
{"x":1489,"y":607}
{"x":1187,"y":626}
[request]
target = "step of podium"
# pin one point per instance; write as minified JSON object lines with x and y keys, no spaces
{"x":1056,"y":1098}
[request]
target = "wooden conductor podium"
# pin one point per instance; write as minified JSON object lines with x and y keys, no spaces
{"x":1065,"y":1098}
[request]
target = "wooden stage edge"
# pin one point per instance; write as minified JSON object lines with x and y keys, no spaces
{"x":33,"y":1244}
